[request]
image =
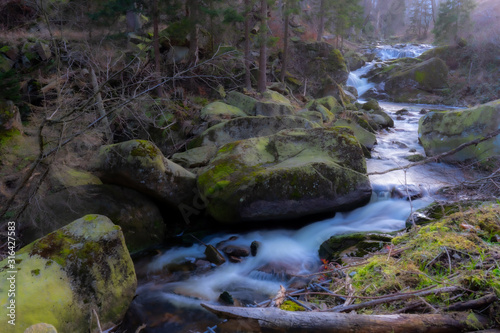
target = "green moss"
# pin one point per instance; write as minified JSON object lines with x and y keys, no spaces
{"x":291,"y":306}
{"x":420,"y":76}
{"x":35,"y":272}
{"x":145,"y":149}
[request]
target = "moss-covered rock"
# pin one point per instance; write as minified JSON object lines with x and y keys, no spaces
{"x":41,"y":328}
{"x":248,"y":127}
{"x":428,"y":76}
{"x":372,"y":104}
{"x":382,"y":119}
{"x":5,"y":64}
{"x":292,"y":173}
{"x":355,"y":60}
{"x":313,"y":116}
{"x":195,"y":157}
{"x":320,"y":64}
{"x":218,"y":111}
{"x":442,"y":131}
{"x":140,"y":165}
{"x":241,"y":101}
{"x":62,"y":277}
{"x":139,"y":218}
{"x":10,"y":119}
{"x":62,"y":176}
{"x":352,"y":245}
{"x":366,"y":138}
{"x":274,"y":104}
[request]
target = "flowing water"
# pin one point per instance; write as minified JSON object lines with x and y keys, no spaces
{"x":174,"y":283}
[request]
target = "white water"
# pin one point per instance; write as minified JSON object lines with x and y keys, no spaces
{"x":383,"y":53}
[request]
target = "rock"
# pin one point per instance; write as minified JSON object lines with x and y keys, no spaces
{"x":439,"y":210}
{"x":177,"y":54}
{"x":352,"y":90}
{"x":352,"y":245}
{"x":236,"y":251}
{"x":70,"y":272}
{"x":428,"y":76}
{"x":415,"y":158}
{"x":214,"y":256}
{"x":400,"y":118}
{"x":43,"y":50}
{"x":241,"y":101}
{"x":312,"y":116}
{"x":5,"y":64}
{"x":254,"y":247}
{"x":274,"y":104}
{"x":10,"y":119}
{"x":10,"y":52}
{"x":442,"y":131}
{"x":423,"y":111}
{"x":382,"y":119}
{"x":319,"y":63}
{"x":139,"y":218}
{"x":41,"y":328}
{"x":354,"y":60}
{"x":364,"y":137}
{"x":372,"y":104}
{"x":62,"y":176}
{"x":140,"y":165}
{"x":218,"y":111}
{"x":400,"y":144}
{"x":292,"y":173}
{"x":402,"y":112}
{"x":226,"y":298}
{"x":195,"y":157}
{"x":411,"y":191}
{"x":248,"y":127}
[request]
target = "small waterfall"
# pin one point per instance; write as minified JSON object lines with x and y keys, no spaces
{"x":361,"y":84}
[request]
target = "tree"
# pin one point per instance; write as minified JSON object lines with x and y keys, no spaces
{"x":261,"y":84}
{"x":290,"y":7}
{"x":346,"y":14}
{"x":453,"y":17}
{"x":420,"y":16}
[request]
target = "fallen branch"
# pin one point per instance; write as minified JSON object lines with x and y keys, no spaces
{"x":440,"y":156}
{"x":272,"y":318}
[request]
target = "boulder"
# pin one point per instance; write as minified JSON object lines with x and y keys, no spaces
{"x":41,"y":328}
{"x":319,"y":63}
{"x":355,"y":60}
{"x":195,"y":157}
{"x":140,"y":165}
{"x":366,"y":138}
{"x":218,"y":111}
{"x":248,"y":127}
{"x":352,"y":245}
{"x":429,"y":76}
{"x":139,"y":218}
{"x":6,"y":64}
{"x":313,"y":116}
{"x":290,"y":174}
{"x":442,"y":131}
{"x":273,"y":104}
{"x":10,"y":118}
{"x":382,"y":119}
{"x":63,"y":176}
{"x":372,"y":104}
{"x":241,"y":101}
{"x":67,"y":274}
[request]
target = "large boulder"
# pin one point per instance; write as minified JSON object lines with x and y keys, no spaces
{"x":428,"y":76}
{"x":319,"y":63}
{"x":357,"y":244}
{"x":139,"y":218}
{"x":242,"y":102}
{"x":290,"y":174}
{"x":140,"y":165}
{"x":248,"y":127}
{"x":219,"y":111}
{"x":365,"y":138}
{"x":10,"y":118}
{"x":62,"y":278}
{"x":273,"y":104}
{"x":442,"y":131}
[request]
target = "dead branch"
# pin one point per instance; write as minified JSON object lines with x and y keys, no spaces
{"x":275,"y":319}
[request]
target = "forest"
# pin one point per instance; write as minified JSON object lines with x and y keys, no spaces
{"x":249,"y":166}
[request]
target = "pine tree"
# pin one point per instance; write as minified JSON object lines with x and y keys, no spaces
{"x":420,"y":16}
{"x":290,"y":7}
{"x":453,"y":17}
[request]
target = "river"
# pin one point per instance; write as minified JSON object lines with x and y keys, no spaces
{"x":170,"y":292}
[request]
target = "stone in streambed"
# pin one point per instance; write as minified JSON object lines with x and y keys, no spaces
{"x":214,"y":256}
{"x":352,"y":245}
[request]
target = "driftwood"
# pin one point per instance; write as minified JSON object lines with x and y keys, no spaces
{"x":296,"y":321}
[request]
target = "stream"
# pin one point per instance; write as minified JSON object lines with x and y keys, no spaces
{"x":174,"y":283}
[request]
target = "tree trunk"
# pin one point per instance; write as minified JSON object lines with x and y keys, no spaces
{"x":156,"y":46}
{"x":248,"y":81}
{"x":100,"y":107}
{"x":321,"y":26}
{"x":285,"y":45}
{"x":261,"y":87}
{"x":434,"y":11}
{"x":276,"y":319}
{"x":193,"y":34}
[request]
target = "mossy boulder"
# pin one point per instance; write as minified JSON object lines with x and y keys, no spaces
{"x":313,"y":116}
{"x":195,"y":157}
{"x":10,"y":118}
{"x":63,"y":176}
{"x":356,"y":244}
{"x":248,"y":127}
{"x":319,"y":63}
{"x":355,"y":60}
{"x":382,"y":119}
{"x":328,"y":102}
{"x":365,"y":138}
{"x":290,"y":174}
{"x":67,"y":274}
{"x":273,"y":104}
{"x":428,"y":76}
{"x":241,"y":101}
{"x":5,"y":64}
{"x":41,"y":328}
{"x":140,"y":165}
{"x":442,"y":131}
{"x":218,"y":111}
{"x":372,"y":104}
{"x":139,"y":218}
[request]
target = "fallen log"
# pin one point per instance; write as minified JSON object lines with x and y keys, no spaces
{"x":297,"y":321}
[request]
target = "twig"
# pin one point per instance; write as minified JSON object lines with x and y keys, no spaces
{"x":299,"y":303}
{"x":449,"y":260}
{"x":97,"y":319}
{"x":140,"y":328}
